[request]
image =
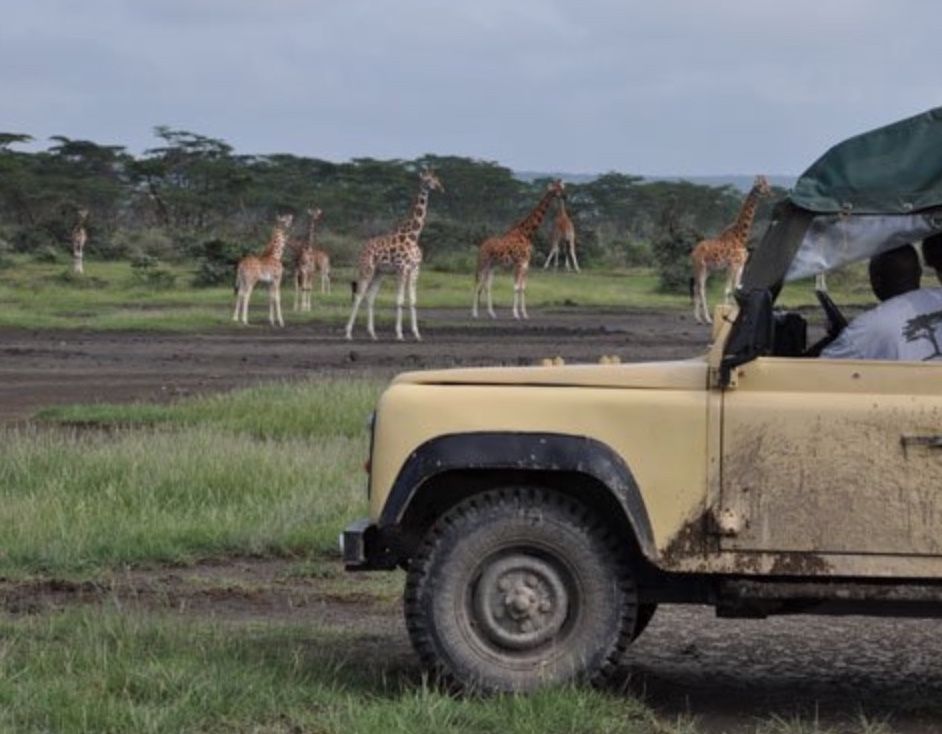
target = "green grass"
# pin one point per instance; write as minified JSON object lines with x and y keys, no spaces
{"x":121,"y":672}
{"x":270,"y":470}
{"x":35,"y":296}
{"x":322,"y":409}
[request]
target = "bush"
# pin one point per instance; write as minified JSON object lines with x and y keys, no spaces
{"x":217,"y":262}
{"x":46,"y":254}
{"x":464,"y":261}
{"x":30,"y":240}
{"x":150,"y":241}
{"x":147,"y":271}
{"x":672,"y":258}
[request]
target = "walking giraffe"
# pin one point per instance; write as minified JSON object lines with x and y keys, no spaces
{"x":397,"y":253}
{"x":265,"y":268}
{"x":306,"y":257}
{"x":726,"y":250}
{"x":565,"y":232}
{"x":78,"y":237}
{"x":512,"y":249}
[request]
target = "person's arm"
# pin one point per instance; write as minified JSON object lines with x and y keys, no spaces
{"x":869,"y":336}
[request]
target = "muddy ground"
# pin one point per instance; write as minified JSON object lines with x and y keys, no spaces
{"x":727,"y":673}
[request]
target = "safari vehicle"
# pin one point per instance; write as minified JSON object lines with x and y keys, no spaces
{"x":542,"y":513}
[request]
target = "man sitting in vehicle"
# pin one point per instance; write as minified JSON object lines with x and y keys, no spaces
{"x":907,"y":325}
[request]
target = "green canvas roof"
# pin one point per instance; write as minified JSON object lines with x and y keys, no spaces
{"x":891,"y":170}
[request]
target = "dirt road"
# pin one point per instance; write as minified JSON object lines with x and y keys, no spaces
{"x":39,"y":368}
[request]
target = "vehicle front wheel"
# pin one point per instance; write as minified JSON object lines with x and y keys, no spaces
{"x":514,"y":589}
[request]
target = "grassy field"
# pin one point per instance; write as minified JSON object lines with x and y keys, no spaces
{"x":271,"y":472}
{"x":111,"y":297}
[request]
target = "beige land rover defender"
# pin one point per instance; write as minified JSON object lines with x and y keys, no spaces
{"x":542,"y":513}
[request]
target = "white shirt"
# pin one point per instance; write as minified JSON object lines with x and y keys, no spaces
{"x":907,"y":327}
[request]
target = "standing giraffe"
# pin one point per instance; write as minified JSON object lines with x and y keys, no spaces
{"x":266,"y":268}
{"x":726,"y":250}
{"x":397,"y":253}
{"x":306,"y":263}
{"x":563,"y":231}
{"x":322,"y":264}
{"x":78,"y":237}
{"x":512,"y":249}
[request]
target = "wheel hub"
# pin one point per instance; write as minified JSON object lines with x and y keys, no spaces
{"x":521,"y":602}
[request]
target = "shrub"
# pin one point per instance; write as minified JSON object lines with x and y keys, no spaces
{"x":464,"y":261}
{"x":30,"y":239}
{"x":46,"y":254}
{"x":150,"y":241}
{"x":672,"y":258}
{"x":217,"y":262}
{"x":147,"y":271}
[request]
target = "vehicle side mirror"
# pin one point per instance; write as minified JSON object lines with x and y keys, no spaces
{"x":753,"y":331}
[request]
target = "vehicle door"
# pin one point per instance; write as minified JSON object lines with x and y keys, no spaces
{"x":833,"y":456}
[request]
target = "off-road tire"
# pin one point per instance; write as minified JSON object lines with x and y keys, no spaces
{"x":518,"y":588}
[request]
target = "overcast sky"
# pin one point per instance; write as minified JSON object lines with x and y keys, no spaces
{"x":657,"y":87}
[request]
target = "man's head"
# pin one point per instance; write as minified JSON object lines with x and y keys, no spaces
{"x":932,"y":253}
{"x":895,"y":272}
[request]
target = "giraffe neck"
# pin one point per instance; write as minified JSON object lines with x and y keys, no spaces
{"x":276,"y":245}
{"x":743,"y":223}
{"x":529,"y":225}
{"x":311,"y":228}
{"x":416,"y":220}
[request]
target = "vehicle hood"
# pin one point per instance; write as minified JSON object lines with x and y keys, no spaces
{"x":690,"y":374}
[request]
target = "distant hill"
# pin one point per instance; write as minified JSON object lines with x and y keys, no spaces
{"x":741,"y":182}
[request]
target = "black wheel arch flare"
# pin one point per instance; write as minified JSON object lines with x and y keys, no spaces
{"x":522,"y":451}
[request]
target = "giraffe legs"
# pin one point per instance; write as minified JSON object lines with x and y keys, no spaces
{"x":297,"y":292}
{"x":571,"y":252}
{"x":700,"y":309}
{"x":413,"y":283}
{"x":238,"y":303}
{"x":246,"y":297}
{"x":520,"y":289}
{"x":400,"y":299}
{"x":361,"y":285}
{"x":821,"y":283}
{"x":274,"y":304}
{"x":325,"y":280}
{"x":370,"y":301}
{"x":553,"y":255}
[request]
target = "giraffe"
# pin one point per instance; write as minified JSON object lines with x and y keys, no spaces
{"x":397,"y":253}
{"x":726,"y":250}
{"x":306,"y":262}
{"x":78,"y":237}
{"x":266,"y":268}
{"x":322,"y":264}
{"x":512,"y":249}
{"x":564,"y":231}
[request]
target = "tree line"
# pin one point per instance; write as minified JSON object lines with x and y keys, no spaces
{"x":194,"y":197}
